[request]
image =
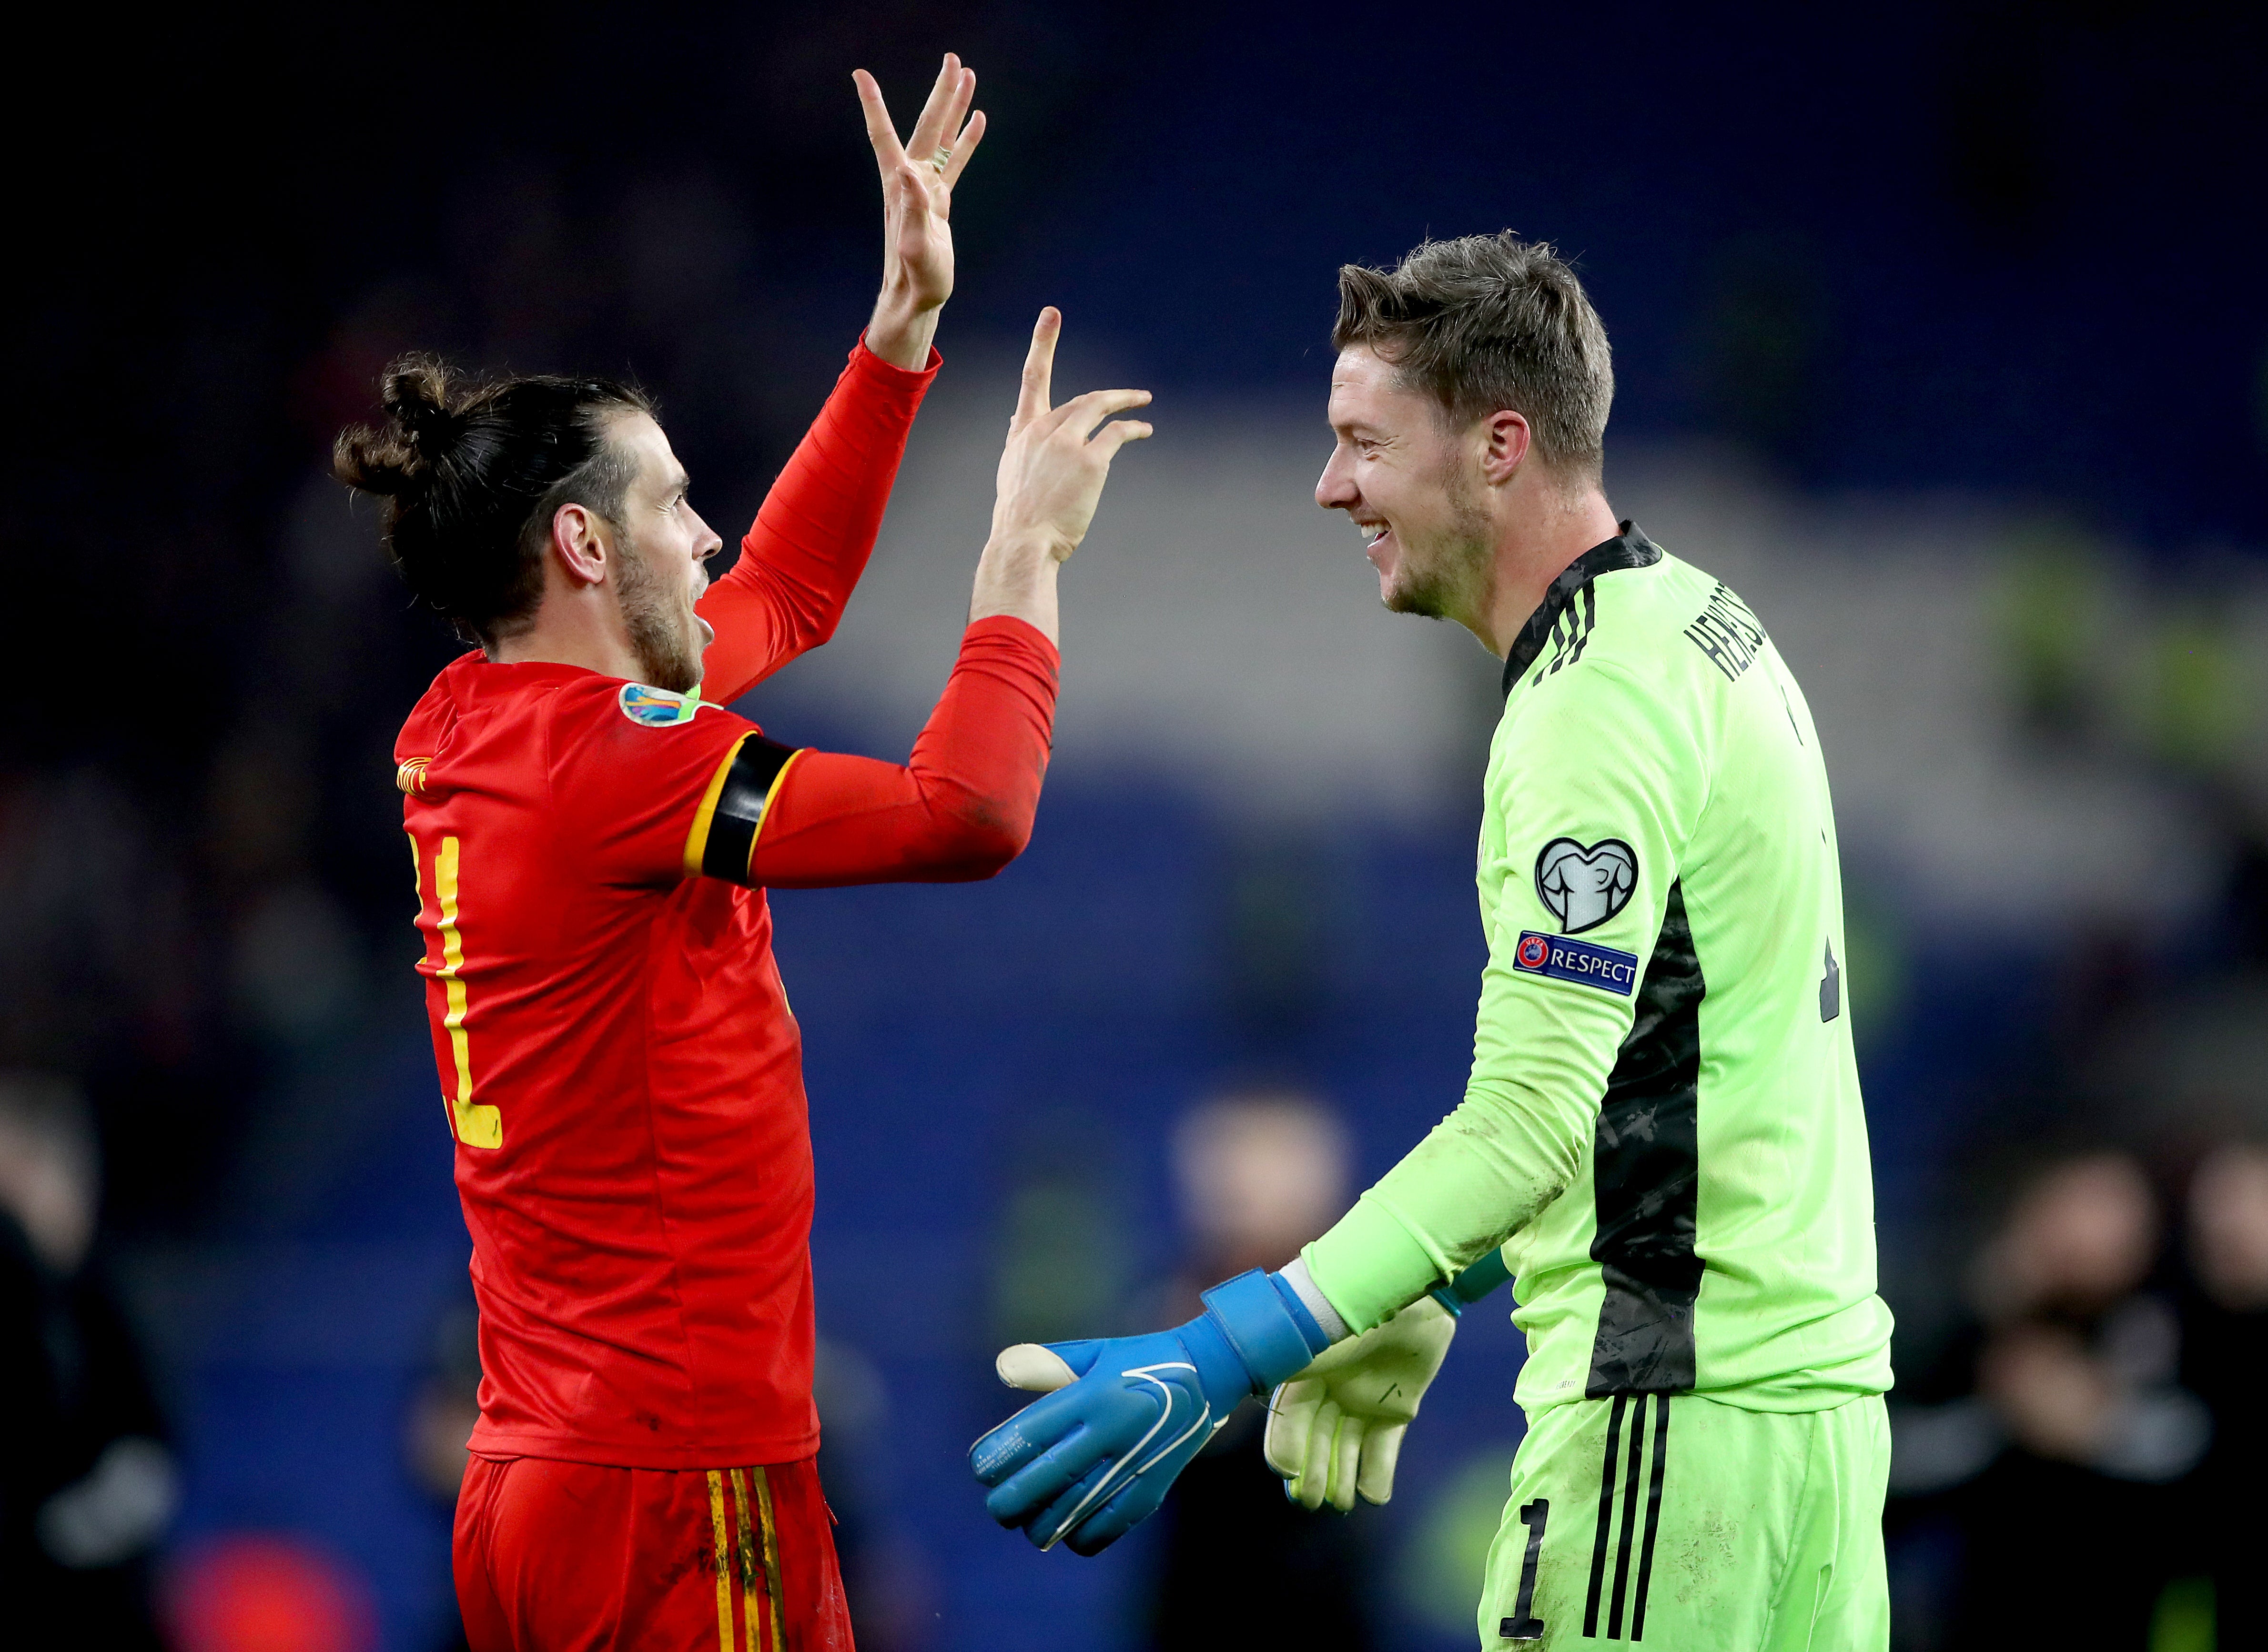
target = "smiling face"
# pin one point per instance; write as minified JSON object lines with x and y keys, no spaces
{"x":1413,"y":486}
{"x":664,"y":550}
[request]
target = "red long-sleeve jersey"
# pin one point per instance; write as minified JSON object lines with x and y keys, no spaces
{"x":622,"y":1073}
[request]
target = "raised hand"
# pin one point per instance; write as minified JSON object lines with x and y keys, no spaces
{"x":1051,"y":476}
{"x":1056,"y":462}
{"x":917,"y":180}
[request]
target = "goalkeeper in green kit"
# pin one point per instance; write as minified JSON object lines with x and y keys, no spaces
{"x":1661,"y":1144}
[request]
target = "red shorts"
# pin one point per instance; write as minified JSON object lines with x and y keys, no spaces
{"x":569,"y":1557}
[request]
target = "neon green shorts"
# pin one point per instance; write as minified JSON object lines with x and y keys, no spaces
{"x":1693,"y":1526}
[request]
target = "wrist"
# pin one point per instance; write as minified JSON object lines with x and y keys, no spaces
{"x":1473,"y":1284}
{"x":901,"y":330}
{"x":1016,"y":577}
{"x":1031,"y":548}
{"x":1301,"y":1283}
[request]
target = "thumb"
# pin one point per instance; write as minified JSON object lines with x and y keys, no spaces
{"x":1291,"y":1417}
{"x":1034,"y":1366}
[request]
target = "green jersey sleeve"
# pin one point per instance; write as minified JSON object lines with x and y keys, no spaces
{"x":1593,"y":793}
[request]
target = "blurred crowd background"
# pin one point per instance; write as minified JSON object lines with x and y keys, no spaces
{"x":1941,"y":335}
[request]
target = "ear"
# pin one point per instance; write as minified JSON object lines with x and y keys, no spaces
{"x":580,"y":544}
{"x":1503,"y":436}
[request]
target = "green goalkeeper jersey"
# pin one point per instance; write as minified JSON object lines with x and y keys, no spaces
{"x":1663,"y":1128}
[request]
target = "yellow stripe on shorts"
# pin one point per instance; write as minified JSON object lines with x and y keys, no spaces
{"x":771,"y":1552}
{"x":747,"y":1559}
{"x":723,"y":1582}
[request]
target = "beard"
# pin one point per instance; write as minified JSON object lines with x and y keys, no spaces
{"x":1450,"y":577}
{"x":663,"y":635}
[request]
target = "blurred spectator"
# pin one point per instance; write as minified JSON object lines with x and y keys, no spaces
{"x":270,"y":1592}
{"x":446,"y":1404}
{"x":881,"y":1575}
{"x":2066,"y":1432}
{"x":2225,"y":1341}
{"x":1260,"y":1172}
{"x":87,"y":1479}
{"x":442,"y":1412}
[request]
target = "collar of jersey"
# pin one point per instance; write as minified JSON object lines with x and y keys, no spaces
{"x":475,"y":670}
{"x":1630,"y":549}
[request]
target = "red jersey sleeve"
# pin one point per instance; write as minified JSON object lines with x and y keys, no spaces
{"x":961,"y":808}
{"x":638,"y":775}
{"x":811,"y":539}
{"x":656,"y":787}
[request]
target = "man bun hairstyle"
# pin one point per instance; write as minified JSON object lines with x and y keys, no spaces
{"x":472,"y":474}
{"x":1487,"y":322}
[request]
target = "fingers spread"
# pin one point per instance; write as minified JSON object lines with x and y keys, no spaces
{"x":1083,"y":413}
{"x":1115,"y":436}
{"x":964,"y":146}
{"x":880,"y":132}
{"x":1039,"y":366}
{"x":956,"y":113}
{"x":938,"y":113}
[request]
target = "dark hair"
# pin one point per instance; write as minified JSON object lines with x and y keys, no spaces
{"x":473,"y":473}
{"x":1487,"y":322}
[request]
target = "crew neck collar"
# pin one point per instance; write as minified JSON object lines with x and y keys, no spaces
{"x":1629,"y":549}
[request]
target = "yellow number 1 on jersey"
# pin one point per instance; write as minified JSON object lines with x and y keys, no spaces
{"x":475,"y":1123}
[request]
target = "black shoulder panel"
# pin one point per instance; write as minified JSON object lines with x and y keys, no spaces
{"x":1630,"y":549}
{"x":1647,"y":1177}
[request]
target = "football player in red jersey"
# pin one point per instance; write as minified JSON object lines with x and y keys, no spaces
{"x":593,"y":836}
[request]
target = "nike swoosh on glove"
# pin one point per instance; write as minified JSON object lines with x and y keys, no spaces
{"x":1086,"y":1464}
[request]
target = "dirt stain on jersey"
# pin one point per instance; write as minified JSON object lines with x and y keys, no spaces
{"x":1703,"y":1556}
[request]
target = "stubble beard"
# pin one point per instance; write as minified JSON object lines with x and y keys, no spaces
{"x":1448,"y":578}
{"x":662,"y":635}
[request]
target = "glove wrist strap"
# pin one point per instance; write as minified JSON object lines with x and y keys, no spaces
{"x":1263,"y":1321}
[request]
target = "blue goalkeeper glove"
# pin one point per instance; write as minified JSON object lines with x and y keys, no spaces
{"x":1086,"y":1464}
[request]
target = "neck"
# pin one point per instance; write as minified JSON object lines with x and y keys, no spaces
{"x":1539,"y":536}
{"x":574,"y":627}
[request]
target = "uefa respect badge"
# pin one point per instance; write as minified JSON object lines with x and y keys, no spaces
{"x":1562,"y":957}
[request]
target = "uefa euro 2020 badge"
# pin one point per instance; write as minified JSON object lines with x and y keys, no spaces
{"x":657,"y":707}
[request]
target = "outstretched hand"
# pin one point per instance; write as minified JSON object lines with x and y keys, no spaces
{"x":917,"y":180}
